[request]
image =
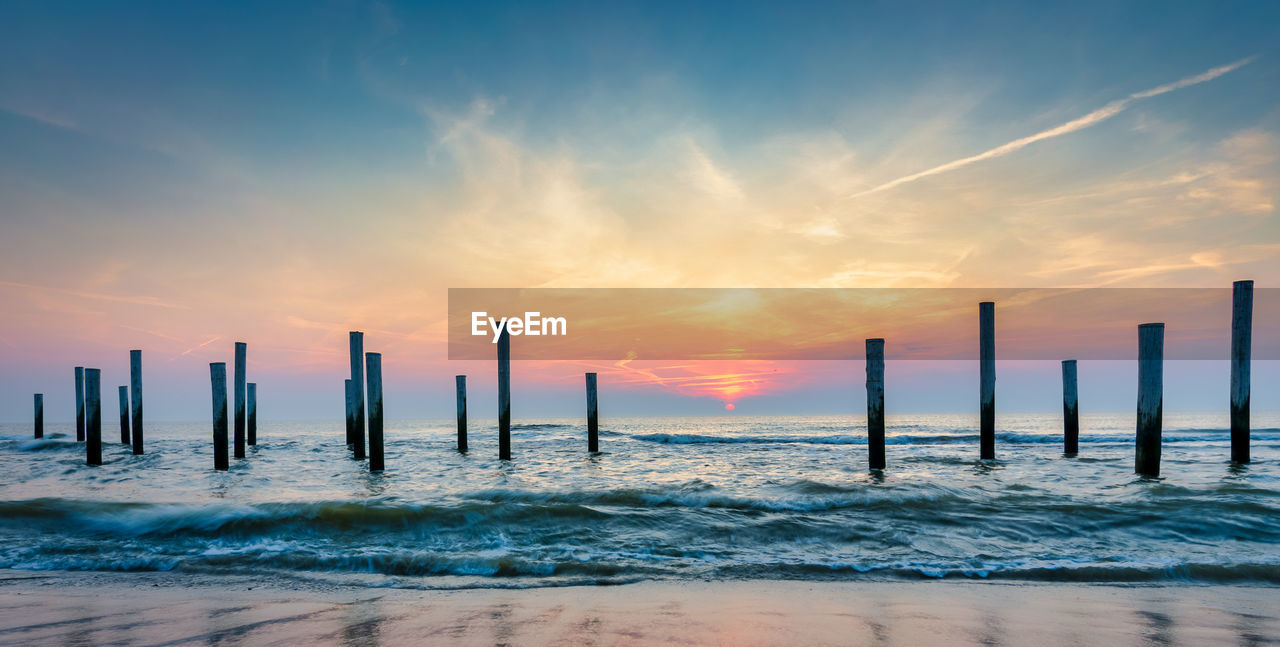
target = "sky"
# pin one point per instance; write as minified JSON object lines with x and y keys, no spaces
{"x":176,"y":177}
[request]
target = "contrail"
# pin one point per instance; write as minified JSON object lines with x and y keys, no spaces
{"x":1105,"y":112}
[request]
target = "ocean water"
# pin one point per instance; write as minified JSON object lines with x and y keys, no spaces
{"x":668,"y":498}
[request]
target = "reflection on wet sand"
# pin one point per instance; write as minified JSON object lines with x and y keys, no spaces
{"x":1158,"y":628}
{"x":163,"y":609}
{"x":361,"y":624}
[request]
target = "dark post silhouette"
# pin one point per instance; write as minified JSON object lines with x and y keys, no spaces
{"x":124,"y":414}
{"x":374,"y":369}
{"x":135,"y":393}
{"x":875,"y":404}
{"x":351,"y":415}
{"x":987,"y":376}
{"x":1241,"y":350}
{"x":80,"y":404}
{"x":39,"y":401}
{"x":93,"y":416}
{"x":357,"y":390}
{"x":218,"y":380}
{"x":593,"y":415}
{"x":252,"y":405}
{"x":239,"y":398}
{"x":460,"y":382}
{"x":1150,"y":398}
{"x":1070,"y":409}
{"x":504,"y":396}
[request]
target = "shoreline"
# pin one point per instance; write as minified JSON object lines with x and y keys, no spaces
{"x":174,"y":608}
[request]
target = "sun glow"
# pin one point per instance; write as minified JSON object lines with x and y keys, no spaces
{"x":721,"y":379}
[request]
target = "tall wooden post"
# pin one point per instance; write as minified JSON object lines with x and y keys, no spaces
{"x":374,"y":369}
{"x":987,"y":377}
{"x":504,"y":396}
{"x":39,"y":402}
{"x":351,"y":414}
{"x":124,"y":414}
{"x":135,"y":394}
{"x":1070,"y":409}
{"x":218,"y":381}
{"x":80,"y":404}
{"x":875,"y":404}
{"x":356,"y":340}
{"x":252,"y":405}
{"x":1241,"y":356}
{"x":93,"y":416}
{"x":593,"y":415}
{"x":1150,"y":398}
{"x":460,"y":384}
{"x":238,"y":397}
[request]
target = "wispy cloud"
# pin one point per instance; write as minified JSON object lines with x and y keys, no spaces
{"x":114,"y":298}
{"x":1101,"y":114}
{"x":45,"y":117}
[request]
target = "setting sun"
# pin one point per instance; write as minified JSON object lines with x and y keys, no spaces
{"x":728,"y":406}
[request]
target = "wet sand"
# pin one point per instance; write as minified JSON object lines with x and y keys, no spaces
{"x":61,"y":608}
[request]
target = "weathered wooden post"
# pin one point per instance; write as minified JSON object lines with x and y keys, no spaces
{"x":351,"y":415}
{"x":135,"y":393}
{"x":504,"y":396}
{"x":218,"y":380}
{"x":1150,"y":398}
{"x":357,"y":390}
{"x":1070,"y":409}
{"x":593,"y":415}
{"x":93,"y":416}
{"x":374,"y":369}
{"x":875,"y":404}
{"x":39,"y":401}
{"x":80,"y":404}
{"x":1241,"y":356}
{"x":987,"y":376}
{"x":238,"y":398}
{"x":460,"y":383}
{"x":124,"y":414}
{"x":252,"y":405}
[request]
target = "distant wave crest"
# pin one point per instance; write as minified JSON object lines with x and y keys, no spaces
{"x":1185,"y":436}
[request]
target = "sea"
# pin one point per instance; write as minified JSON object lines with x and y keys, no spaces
{"x":667,"y":498}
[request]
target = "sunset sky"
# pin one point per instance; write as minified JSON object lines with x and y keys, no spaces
{"x":176,"y":177}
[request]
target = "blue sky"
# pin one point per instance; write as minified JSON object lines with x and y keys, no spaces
{"x":180,"y":175}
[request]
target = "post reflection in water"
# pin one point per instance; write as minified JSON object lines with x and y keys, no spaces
{"x":361,"y":625}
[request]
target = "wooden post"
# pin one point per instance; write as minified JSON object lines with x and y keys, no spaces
{"x":252,"y":405}
{"x":218,"y":380}
{"x":124,"y":414}
{"x":351,"y":415}
{"x":357,"y":390}
{"x":987,"y":376}
{"x":374,"y":369}
{"x":93,"y":416}
{"x":504,"y":396}
{"x":1150,"y":398}
{"x":875,"y":404}
{"x":1241,"y":356}
{"x":80,"y":404}
{"x":460,"y":383}
{"x":593,"y":415}
{"x":135,"y":393}
{"x":39,"y":401}
{"x":238,"y":397}
{"x":1070,"y":409}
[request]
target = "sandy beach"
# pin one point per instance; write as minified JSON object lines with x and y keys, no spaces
{"x":61,"y":608}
